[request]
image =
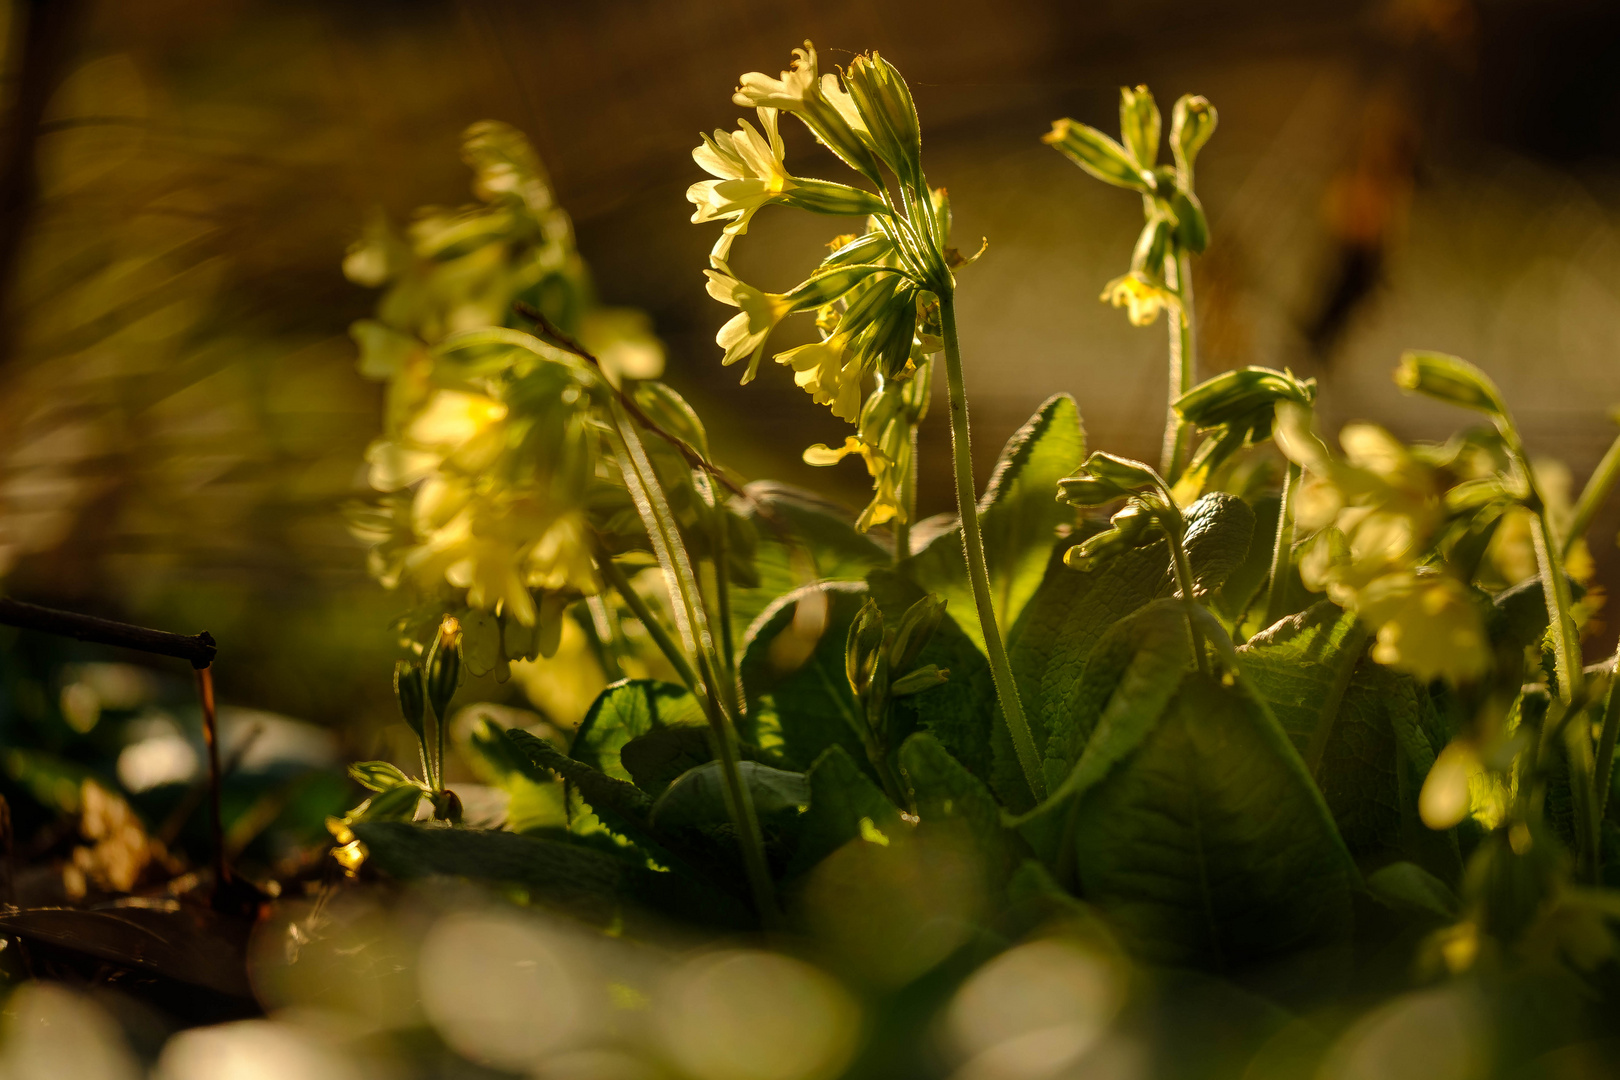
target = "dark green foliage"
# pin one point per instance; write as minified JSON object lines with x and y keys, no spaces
{"x":1363,"y":729}
{"x":1208,"y":848}
{"x":1019,"y":518}
{"x":628,"y":710}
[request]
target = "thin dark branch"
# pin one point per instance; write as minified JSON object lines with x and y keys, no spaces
{"x":198,"y":650}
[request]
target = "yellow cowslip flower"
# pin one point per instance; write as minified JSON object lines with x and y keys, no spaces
{"x":1141,"y":298}
{"x":451,"y":418}
{"x":751,"y":174}
{"x":820,"y":101}
{"x":745,"y":333}
{"x":831,"y":372}
{"x":1426,"y":624}
{"x":885,"y":505}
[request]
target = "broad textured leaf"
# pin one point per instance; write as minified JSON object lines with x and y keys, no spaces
{"x":698,"y":796}
{"x":841,"y":796}
{"x":1134,"y":672}
{"x":802,"y":538}
{"x":1361,"y":727}
{"x":1208,"y":847}
{"x":590,"y":883}
{"x":627,"y":710}
{"x":948,"y":795}
{"x":1019,"y":516}
{"x":799,"y":698}
{"x":1247,"y":581}
{"x":962,"y":712}
{"x":1049,"y":645}
{"x":655,"y":759}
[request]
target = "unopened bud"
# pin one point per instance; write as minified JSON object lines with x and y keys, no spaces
{"x":863,"y":647}
{"x":915,"y":682}
{"x":1449,"y":379}
{"x":1125,"y":473}
{"x":1236,"y":395}
{"x":1139,"y":124}
{"x":825,"y":197}
{"x":884,"y":102}
{"x":916,"y":627}
{"x":828,"y":285}
{"x":872,"y":248}
{"x":1096,"y":153}
{"x":1192,"y":122}
{"x":409,"y":691}
{"x":444,"y":667}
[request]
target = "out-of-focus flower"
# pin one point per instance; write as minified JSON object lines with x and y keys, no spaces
{"x":1140,"y":297}
{"x":1427,"y":625}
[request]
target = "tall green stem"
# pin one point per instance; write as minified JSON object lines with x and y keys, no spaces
{"x":687,"y":604}
{"x":1603,"y":774}
{"x":973,"y":544}
{"x":1282,"y":552}
{"x":1592,"y":496}
{"x":1184,"y":582}
{"x":655,"y":629}
{"x":1183,"y":365}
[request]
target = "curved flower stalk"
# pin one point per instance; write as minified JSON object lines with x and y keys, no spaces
{"x":884,"y":298}
{"x":1160,"y":276}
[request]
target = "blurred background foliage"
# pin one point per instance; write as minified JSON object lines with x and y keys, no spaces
{"x":181,"y":415}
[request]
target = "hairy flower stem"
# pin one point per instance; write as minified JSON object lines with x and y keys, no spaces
{"x":660,"y":637}
{"x":691,"y":620}
{"x":1592,"y":496}
{"x":1282,"y":552}
{"x":1183,"y":365}
{"x":973,"y":544}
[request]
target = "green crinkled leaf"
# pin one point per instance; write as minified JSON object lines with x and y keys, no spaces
{"x":587,"y":882}
{"x":962,"y":712}
{"x":1049,"y":645}
{"x":698,"y":796}
{"x":627,"y":710}
{"x":820,"y":544}
{"x":945,"y":792}
{"x":1133,"y":673}
{"x":1361,"y":727}
{"x":1209,"y":848}
{"x":792,"y":671}
{"x":841,"y":795}
{"x":1019,"y":516}
{"x":655,"y":759}
{"x":1244,"y":584}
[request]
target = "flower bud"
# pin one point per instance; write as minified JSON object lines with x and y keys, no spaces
{"x":916,"y":627}
{"x":1083,"y":489}
{"x":872,"y":248}
{"x":444,"y":667}
{"x":828,"y":285}
{"x":915,"y":682}
{"x":1234,"y":395}
{"x":1087,"y":555}
{"x":1132,"y":523}
{"x":1139,"y":125}
{"x":825,"y":197}
{"x":884,"y":102}
{"x":377,"y":775}
{"x":1449,"y":379}
{"x":1192,"y":122}
{"x":410,"y":693}
{"x":892,"y":342}
{"x":1124,"y":473}
{"x":1096,"y":153}
{"x":863,"y":647}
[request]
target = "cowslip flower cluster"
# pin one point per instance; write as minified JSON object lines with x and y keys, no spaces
{"x":1175,"y":225}
{"x":490,"y":453}
{"x":1376,"y":518}
{"x":875,"y":295}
